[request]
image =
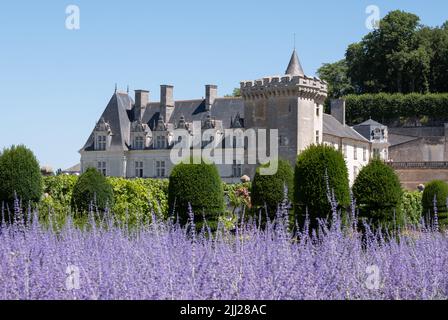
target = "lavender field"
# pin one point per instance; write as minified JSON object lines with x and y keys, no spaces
{"x":164,"y":261}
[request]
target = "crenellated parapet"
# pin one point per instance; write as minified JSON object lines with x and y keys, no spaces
{"x":287,"y":85}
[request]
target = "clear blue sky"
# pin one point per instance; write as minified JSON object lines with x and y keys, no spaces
{"x":55,"y":83}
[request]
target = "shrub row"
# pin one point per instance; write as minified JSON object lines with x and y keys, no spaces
{"x":387,"y":108}
{"x":132,"y":198}
{"x":319,"y":169}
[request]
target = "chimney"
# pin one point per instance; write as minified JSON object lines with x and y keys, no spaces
{"x":166,"y":101}
{"x":141,"y":100}
{"x":211,"y":93}
{"x":338,"y":110}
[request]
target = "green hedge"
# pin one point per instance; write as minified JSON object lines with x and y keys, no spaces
{"x":378,"y":194}
{"x":437,"y":189}
{"x":92,"y":188}
{"x":133,"y":197}
{"x":19,"y":175}
{"x":310,"y":185}
{"x":200,"y":186}
{"x":386,"y":107}
{"x":269,"y":189}
{"x":411,"y":207}
{"x":137,"y":198}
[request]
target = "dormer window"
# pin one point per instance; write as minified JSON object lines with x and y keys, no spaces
{"x":103,"y":135}
{"x":139,"y":143}
{"x":160,"y":142}
{"x":101,"y":143}
{"x":140,"y":133}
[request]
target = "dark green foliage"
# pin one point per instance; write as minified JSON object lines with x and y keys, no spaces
{"x":20,"y":173}
{"x":269,"y":189}
{"x":388,"y":108}
{"x":378,"y":194}
{"x":310,"y":181}
{"x":92,"y":186}
{"x":400,"y":56}
{"x":198,"y":185}
{"x":436,"y":189}
{"x":335,"y":74}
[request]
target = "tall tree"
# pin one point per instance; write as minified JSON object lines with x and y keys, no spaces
{"x":439,"y":62}
{"x":393,"y":58}
{"x":335,"y":74}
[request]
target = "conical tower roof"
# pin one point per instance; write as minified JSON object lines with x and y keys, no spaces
{"x":294,"y":66}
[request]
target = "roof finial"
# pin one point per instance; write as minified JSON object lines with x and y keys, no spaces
{"x":116,"y":87}
{"x":294,"y":41}
{"x":127,"y":89}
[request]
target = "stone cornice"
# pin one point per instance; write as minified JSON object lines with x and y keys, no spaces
{"x":303,"y":87}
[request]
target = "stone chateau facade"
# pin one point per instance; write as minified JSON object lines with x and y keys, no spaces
{"x":134,"y":137}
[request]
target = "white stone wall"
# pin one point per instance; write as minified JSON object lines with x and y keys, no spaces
{"x":123,"y":164}
{"x":354,"y":165}
{"x":114,"y":161}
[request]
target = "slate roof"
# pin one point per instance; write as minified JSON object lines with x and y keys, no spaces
{"x":75,"y":168}
{"x":294,"y":66}
{"x":396,"y":139}
{"x":223,"y":109}
{"x":118,"y":114}
{"x":332,"y":126}
{"x":371,"y":123}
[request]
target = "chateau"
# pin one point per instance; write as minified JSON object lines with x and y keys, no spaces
{"x":134,"y":137}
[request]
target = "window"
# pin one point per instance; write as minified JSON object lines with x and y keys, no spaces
{"x":160,"y":169}
{"x":101,"y":166}
{"x":376,"y":152}
{"x":355,"y":153}
{"x":317,"y":136}
{"x":344,"y":150}
{"x":101,"y":143}
{"x":364,"y":153}
{"x":160,"y":142}
{"x":283,"y":141}
{"x":139,"y":169}
{"x":237,"y":169}
{"x":317,"y":110}
{"x":139,"y":143}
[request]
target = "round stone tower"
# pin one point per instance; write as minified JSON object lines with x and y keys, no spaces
{"x":292,"y":104}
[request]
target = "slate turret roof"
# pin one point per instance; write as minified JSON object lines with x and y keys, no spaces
{"x":294,"y":66}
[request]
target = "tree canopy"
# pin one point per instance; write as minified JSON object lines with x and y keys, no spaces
{"x":401,"y":56}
